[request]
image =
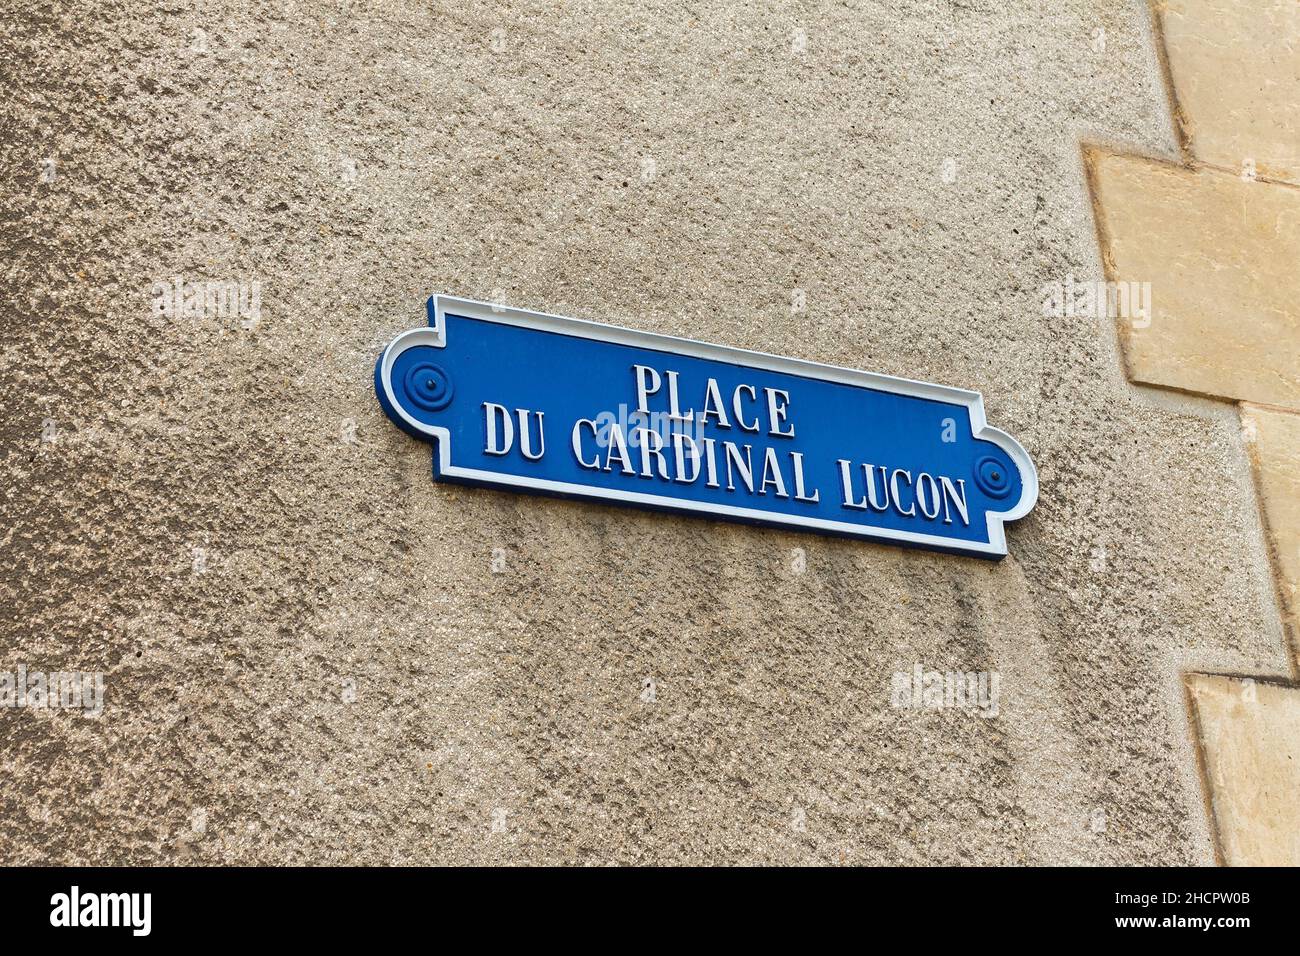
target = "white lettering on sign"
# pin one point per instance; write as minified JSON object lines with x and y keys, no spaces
{"x":649,"y":381}
{"x":682,"y":458}
{"x":501,"y":432}
{"x":894,"y":486}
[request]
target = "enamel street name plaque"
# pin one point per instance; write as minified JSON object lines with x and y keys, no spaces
{"x":541,"y":403}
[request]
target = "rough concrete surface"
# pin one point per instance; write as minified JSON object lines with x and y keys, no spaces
{"x":307,"y":653}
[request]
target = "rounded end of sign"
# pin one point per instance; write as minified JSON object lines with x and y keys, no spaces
{"x":410,"y":385}
{"x":992,"y":479}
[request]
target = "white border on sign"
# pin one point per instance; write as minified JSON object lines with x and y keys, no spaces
{"x":435,"y":336}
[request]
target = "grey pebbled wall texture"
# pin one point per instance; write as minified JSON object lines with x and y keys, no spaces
{"x":307,"y":654}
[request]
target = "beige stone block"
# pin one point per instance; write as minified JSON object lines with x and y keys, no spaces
{"x":1274,"y":439}
{"x":1235,"y":66}
{"x":1221,"y":257}
{"x":1250,"y":744}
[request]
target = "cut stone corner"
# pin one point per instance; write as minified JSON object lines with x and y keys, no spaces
{"x":1247,"y":735}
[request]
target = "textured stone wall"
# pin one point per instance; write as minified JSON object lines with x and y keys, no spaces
{"x":313,"y":653}
{"x":1218,"y":236}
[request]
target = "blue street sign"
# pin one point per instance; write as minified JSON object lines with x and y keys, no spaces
{"x":541,"y":403}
